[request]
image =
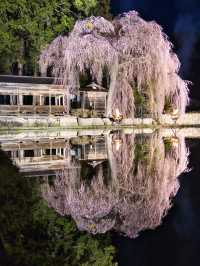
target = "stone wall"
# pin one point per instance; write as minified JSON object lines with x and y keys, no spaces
{"x":189,"y":119}
{"x":39,"y":121}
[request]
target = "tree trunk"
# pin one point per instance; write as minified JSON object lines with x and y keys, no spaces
{"x":66,"y":101}
{"x":113,"y":79}
{"x":43,"y":70}
{"x":21,"y":58}
{"x":20,"y":69}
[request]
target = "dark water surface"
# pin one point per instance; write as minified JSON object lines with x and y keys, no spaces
{"x":177,"y":241}
{"x":100,"y":198}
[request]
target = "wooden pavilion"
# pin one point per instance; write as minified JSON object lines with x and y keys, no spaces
{"x":31,"y":95}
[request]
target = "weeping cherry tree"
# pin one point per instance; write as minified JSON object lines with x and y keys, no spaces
{"x":136,"y":56}
{"x":130,"y":194}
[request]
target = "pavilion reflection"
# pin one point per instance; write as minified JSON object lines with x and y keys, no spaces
{"x":122,"y":182}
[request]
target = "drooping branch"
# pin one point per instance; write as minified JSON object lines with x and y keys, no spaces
{"x":137,"y":194}
{"x":136,"y":54}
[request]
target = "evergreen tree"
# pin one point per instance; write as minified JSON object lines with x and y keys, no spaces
{"x":27,"y":26}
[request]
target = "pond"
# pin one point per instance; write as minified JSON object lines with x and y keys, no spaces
{"x":103,"y":197}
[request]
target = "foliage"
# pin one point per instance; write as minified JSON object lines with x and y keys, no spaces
{"x":141,"y":155}
{"x":124,"y":46}
{"x":168,"y":108}
{"x":85,"y":78}
{"x":101,"y":8}
{"x":63,"y":238}
{"x":34,"y":235}
{"x":168,"y":145}
{"x":141,"y":103}
{"x":26,"y":27}
{"x":85,"y":5}
{"x":79,"y":112}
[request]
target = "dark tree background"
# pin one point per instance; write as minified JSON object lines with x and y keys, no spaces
{"x":26,"y":27}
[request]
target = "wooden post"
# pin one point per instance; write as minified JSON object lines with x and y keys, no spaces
{"x":21,"y":154}
{"x":20,"y":99}
{"x":66,"y":103}
{"x":12,"y":99}
{"x":40,"y":102}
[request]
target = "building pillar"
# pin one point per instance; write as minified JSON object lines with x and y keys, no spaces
{"x":41,"y":101}
{"x":56,"y":100}
{"x":13,"y":99}
{"x":21,"y":154}
{"x":20,"y":99}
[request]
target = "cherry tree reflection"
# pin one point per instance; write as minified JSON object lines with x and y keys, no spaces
{"x":129,"y":190}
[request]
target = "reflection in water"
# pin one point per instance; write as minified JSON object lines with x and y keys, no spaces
{"x":32,"y":234}
{"x":121,"y":181}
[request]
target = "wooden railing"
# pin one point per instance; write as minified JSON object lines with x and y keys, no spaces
{"x":30,"y":109}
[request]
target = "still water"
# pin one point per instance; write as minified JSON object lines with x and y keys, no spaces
{"x":126,"y":197}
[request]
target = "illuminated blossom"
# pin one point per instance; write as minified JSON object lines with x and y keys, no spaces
{"x":130,"y":193}
{"x":135,"y":55}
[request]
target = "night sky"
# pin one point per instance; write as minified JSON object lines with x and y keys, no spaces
{"x":165,"y":12}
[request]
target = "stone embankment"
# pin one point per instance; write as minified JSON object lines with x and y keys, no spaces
{"x":189,"y":119}
{"x":52,"y":133}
